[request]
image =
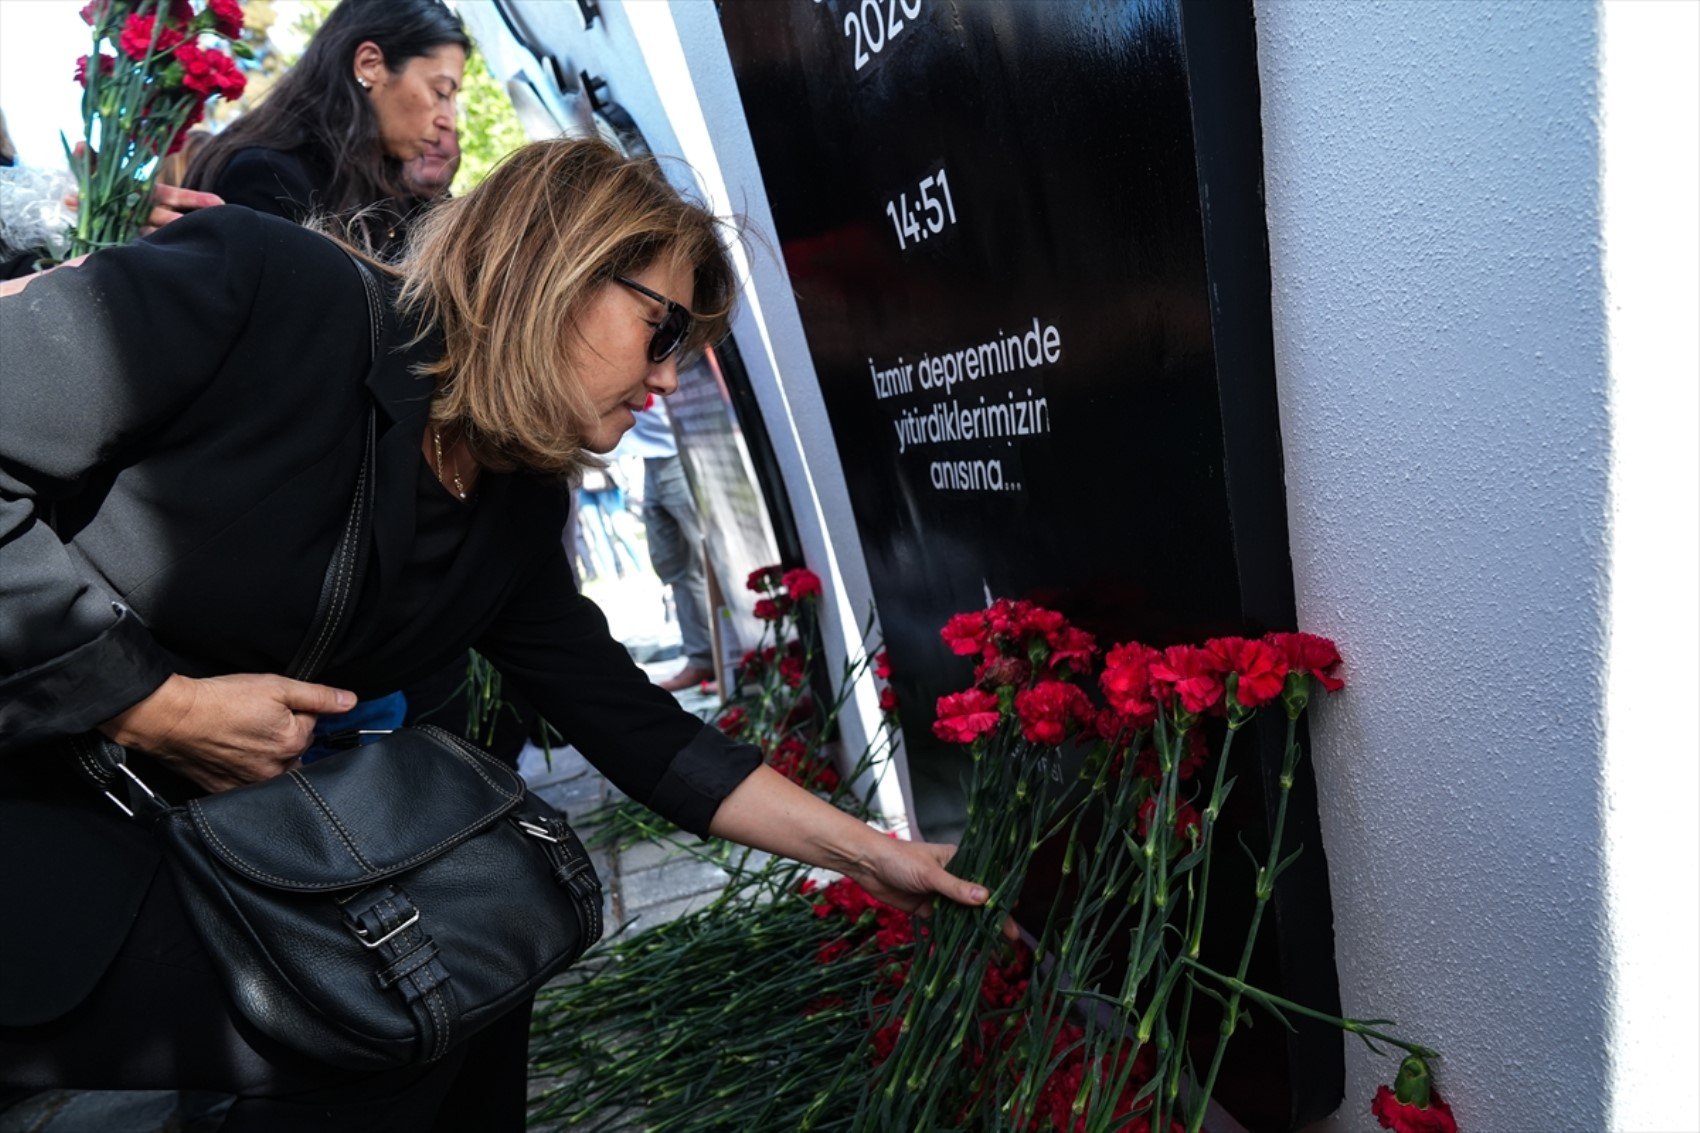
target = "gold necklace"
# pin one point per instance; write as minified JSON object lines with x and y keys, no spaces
{"x":454,"y":481}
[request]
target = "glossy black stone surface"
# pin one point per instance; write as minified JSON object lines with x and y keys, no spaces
{"x":1102,"y":201}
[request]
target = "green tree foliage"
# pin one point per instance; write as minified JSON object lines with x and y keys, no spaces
{"x":489,"y":128}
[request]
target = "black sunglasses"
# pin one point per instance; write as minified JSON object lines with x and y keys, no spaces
{"x":671,"y":332}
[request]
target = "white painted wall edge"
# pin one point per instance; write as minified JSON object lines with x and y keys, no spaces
{"x":685,"y":52}
{"x":1650,"y":113}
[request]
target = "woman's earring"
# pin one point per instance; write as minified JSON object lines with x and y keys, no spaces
{"x":364,"y":83}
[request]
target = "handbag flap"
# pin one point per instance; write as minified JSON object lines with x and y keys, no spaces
{"x":359,"y":816}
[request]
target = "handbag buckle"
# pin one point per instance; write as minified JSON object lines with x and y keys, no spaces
{"x":360,"y":933}
{"x":536,"y":831}
{"x":370,"y":914}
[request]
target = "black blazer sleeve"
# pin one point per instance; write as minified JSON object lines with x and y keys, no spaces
{"x":269,"y":181}
{"x":93,"y":359}
{"x":554,"y":644}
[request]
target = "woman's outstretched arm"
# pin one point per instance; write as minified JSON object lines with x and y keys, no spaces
{"x":769,"y":812}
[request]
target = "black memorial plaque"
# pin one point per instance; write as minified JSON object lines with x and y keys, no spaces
{"x":1047,"y":368}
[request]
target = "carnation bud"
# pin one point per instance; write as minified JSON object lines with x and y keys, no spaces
{"x":1296,"y":693}
{"x":1413,"y":1085}
{"x":1004,"y":672}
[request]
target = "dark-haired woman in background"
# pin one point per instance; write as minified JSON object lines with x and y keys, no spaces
{"x":374,"y":90}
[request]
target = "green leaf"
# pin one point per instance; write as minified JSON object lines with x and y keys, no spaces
{"x":1281,"y":866}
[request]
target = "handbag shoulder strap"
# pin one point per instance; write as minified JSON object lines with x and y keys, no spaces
{"x":348,"y":561}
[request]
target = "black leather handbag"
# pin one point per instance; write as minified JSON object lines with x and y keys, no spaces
{"x":375,"y":907}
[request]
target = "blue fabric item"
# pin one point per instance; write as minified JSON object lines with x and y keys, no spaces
{"x":379,"y":713}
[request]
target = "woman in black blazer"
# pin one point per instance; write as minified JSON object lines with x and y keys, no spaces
{"x":181,"y":423}
{"x":375,"y":88}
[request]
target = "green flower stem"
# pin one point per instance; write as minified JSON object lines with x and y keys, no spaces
{"x":1009,"y":801}
{"x":1199,"y":899}
{"x":1212,"y":812}
{"x":1146,"y":954}
{"x":1090,"y":927}
{"x":1265,"y":889}
{"x":1365,"y":1027}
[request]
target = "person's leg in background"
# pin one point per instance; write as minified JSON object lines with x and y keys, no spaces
{"x":674,"y":533}
{"x":611,"y":505}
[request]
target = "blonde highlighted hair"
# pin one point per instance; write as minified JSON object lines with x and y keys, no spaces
{"x":504,"y":273}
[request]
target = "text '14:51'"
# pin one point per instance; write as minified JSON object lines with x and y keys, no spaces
{"x":929,"y":214}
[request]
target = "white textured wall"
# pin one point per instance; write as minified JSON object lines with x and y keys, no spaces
{"x":1441,"y":335}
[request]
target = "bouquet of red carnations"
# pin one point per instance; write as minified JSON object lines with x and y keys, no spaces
{"x":139,"y":101}
{"x":1138,"y":843}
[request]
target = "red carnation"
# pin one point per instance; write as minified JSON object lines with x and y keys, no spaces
{"x":846,"y":897}
{"x":107,"y":62}
{"x":1126,"y":681}
{"x":1112,"y":727}
{"x":1261,"y":668}
{"x":966,"y":634}
{"x":734,"y":722}
{"x":791,"y":747}
{"x":888,"y":700}
{"x":234,"y":79}
{"x":801,"y":583}
{"x":791,"y":671}
{"x":1006,"y":616}
{"x":196,"y":114}
{"x":885,"y":1041}
{"x":965,"y":716}
{"x":1187,"y":820}
{"x":792,"y":759}
{"x":1308,"y":653}
{"x":1436,"y":1117}
{"x":763,"y":579}
{"x":1049,"y":710}
{"x":210,"y":72}
{"x":227,"y":21}
{"x":894,"y":932}
{"x":882,"y":665}
{"x":1188,"y":672}
{"x":138,"y":34}
{"x":772,"y":609}
{"x":96,"y":11}
{"x":1071,"y":651}
{"x":1030,"y":621}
